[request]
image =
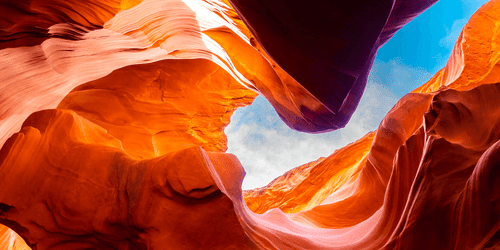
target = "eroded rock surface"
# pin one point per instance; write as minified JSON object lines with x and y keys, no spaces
{"x":112,"y":116}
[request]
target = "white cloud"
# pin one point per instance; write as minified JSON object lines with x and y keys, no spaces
{"x":267,"y":148}
{"x":266,"y":152}
{"x":452,"y":33}
{"x":397,"y":76}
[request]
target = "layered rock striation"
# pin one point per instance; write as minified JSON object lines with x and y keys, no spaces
{"x":112,"y":116}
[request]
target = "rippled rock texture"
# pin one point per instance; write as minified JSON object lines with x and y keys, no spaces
{"x":112,"y":117}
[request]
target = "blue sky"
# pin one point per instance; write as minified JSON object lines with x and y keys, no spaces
{"x":267,"y":148}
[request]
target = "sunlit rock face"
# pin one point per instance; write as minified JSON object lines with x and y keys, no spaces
{"x":112,"y":117}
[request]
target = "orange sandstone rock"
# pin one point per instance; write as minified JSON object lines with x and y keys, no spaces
{"x":157,"y":108}
{"x":107,"y":199}
{"x":307,"y":186}
{"x":28,"y":22}
{"x":121,"y":146}
{"x":475,"y":57}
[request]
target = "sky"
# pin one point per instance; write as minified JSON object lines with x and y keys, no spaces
{"x":267,"y":148}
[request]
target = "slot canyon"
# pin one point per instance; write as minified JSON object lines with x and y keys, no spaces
{"x":112,"y":118}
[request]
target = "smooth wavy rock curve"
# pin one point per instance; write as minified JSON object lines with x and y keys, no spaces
{"x":112,"y":117}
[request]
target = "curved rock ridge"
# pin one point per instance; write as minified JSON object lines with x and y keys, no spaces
{"x":110,"y":200}
{"x":475,"y":57}
{"x":305,"y":187}
{"x":429,"y":200}
{"x":80,"y":43}
{"x":10,"y":240}
{"x":113,"y":134}
{"x":134,"y":36}
{"x":472,"y":49}
{"x":162,"y":107}
{"x":334,"y":71}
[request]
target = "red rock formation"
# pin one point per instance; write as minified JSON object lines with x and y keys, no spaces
{"x":110,"y":200}
{"x":112,"y":137}
{"x":306,"y":187}
{"x":147,"y":116}
{"x":414,"y":220}
{"x":333,"y":72}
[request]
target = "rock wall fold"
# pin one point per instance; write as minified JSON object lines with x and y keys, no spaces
{"x":112,"y":116}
